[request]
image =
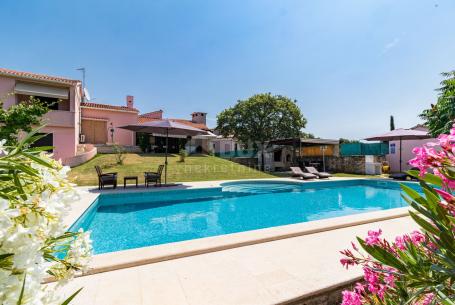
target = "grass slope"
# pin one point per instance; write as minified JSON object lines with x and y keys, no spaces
{"x":195,"y":168}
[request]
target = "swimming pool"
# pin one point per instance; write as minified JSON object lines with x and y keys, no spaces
{"x":122,"y":221}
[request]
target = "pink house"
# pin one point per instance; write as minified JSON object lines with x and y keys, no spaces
{"x":78,"y":129}
{"x":62,"y":121}
{"x":100,"y":122}
{"x":406,"y":150}
{"x":72,"y":126}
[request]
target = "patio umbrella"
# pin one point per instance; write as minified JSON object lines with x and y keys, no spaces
{"x":400,"y":134}
{"x":165,"y":127}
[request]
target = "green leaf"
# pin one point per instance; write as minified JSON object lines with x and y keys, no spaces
{"x":433,"y":179}
{"x":425,"y":225}
{"x":68,"y":300}
{"x":382,"y":255}
{"x":21,"y":295}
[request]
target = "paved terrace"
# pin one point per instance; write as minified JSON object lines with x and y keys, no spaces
{"x":274,"y":272}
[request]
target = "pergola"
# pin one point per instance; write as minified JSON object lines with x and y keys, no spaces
{"x":302,"y":142}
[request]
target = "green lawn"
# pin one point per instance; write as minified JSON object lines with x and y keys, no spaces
{"x":195,"y":168}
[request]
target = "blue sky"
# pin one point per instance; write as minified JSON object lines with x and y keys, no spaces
{"x":350,"y":64}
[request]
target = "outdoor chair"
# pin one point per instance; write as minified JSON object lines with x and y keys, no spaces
{"x":153,"y":176}
{"x":314,"y":171}
{"x":297,"y":172}
{"x":105,"y":178}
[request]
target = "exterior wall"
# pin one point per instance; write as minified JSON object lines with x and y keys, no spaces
{"x":350,"y":164}
{"x":407,"y":146}
{"x":192,"y":145}
{"x":316,"y":151}
{"x":64,"y":142}
{"x":62,"y":124}
{"x":224,"y":145}
{"x":117,"y":118}
{"x":82,"y":157}
{"x":7,"y":87}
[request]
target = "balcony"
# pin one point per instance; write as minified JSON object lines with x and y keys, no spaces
{"x":59,"y":118}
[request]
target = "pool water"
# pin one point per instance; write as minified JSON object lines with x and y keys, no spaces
{"x":131,"y":220}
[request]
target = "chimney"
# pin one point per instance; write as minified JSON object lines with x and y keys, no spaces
{"x":130,"y":101}
{"x":199,"y":117}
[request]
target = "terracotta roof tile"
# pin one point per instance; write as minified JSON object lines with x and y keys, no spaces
{"x":158,"y":114}
{"x":108,"y":107}
{"x":36,"y":76}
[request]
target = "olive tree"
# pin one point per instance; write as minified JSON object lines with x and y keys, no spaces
{"x":261,"y":118}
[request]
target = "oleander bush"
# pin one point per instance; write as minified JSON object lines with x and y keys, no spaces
{"x":419,"y":267}
{"x":35,"y":196}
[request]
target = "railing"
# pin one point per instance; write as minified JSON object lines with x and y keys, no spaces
{"x":243,"y":153}
{"x":363,"y":149}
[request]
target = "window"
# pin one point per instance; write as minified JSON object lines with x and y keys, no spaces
{"x":392,"y":148}
{"x":46,"y":140}
{"x":50,"y":102}
{"x":277,"y":156}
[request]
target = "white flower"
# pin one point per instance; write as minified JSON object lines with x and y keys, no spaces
{"x":28,"y":227}
{"x":3,"y":150}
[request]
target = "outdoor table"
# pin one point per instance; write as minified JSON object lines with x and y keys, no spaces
{"x":126,"y":178}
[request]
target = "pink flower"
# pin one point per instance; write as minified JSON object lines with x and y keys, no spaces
{"x":372,"y":279}
{"x":346,"y":262}
{"x":427,"y":299}
{"x":446,"y":196}
{"x":351,"y":298}
{"x":400,"y":243}
{"x":417,"y":238}
{"x":373,"y":237}
{"x":389,"y":278}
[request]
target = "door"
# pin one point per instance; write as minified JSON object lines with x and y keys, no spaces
{"x":95,"y":131}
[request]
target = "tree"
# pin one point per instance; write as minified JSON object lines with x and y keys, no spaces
{"x":392,"y":123}
{"x":439,"y":118}
{"x":307,"y":135}
{"x":261,"y":118}
{"x":20,"y":117}
{"x":348,"y":141}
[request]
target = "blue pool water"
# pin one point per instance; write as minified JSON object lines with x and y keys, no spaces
{"x":132,"y":220}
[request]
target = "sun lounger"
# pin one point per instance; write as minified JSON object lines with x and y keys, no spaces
{"x":297,"y":172}
{"x":314,"y":171}
{"x":403,"y":176}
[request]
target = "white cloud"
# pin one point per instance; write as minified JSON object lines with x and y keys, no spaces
{"x":391,"y":45}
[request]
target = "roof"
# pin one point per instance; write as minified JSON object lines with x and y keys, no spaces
{"x":37,"y":77}
{"x":153,"y":114}
{"x":291,"y":141}
{"x":107,"y":107}
{"x":186,"y":122}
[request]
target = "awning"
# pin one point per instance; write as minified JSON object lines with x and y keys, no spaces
{"x":40,"y":90}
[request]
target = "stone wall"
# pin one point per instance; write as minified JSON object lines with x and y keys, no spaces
{"x":345,"y":164}
{"x":250,"y":162}
{"x":349,"y":164}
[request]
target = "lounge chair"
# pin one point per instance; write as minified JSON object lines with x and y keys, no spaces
{"x":404,"y":176}
{"x":399,"y":176}
{"x":153,"y":176}
{"x":314,"y":171}
{"x":297,"y":172}
{"x":105,"y":178}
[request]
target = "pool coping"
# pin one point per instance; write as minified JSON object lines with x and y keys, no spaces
{"x":153,"y":254}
